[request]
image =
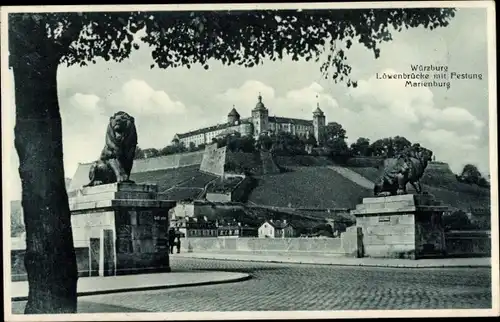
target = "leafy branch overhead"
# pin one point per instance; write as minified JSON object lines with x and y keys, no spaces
{"x":244,"y":38}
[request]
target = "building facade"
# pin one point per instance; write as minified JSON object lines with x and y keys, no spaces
{"x":276,"y":229}
{"x":257,"y":124}
{"x":195,"y":227}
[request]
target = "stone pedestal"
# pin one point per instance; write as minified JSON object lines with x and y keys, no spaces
{"x":125,"y":226}
{"x":406,"y":226}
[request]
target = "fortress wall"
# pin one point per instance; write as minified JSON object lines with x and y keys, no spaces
{"x":441,"y":166}
{"x":167,"y":162}
{"x":213,"y":160}
{"x":192,"y":158}
{"x":81,"y":176}
{"x":151,"y":164}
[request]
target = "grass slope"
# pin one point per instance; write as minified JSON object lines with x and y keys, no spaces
{"x":308,"y":187}
{"x":443,"y":185}
{"x":189,"y":176}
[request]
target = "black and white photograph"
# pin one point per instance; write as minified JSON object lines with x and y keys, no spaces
{"x":249,"y":161}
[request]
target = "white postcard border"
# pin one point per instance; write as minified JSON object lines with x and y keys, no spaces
{"x":6,"y":135}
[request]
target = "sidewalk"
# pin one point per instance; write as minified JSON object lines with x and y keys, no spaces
{"x":138,"y":282}
{"x":346,"y":261}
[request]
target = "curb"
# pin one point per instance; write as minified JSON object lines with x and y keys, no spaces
{"x":150,"y":288}
{"x":349,"y":265}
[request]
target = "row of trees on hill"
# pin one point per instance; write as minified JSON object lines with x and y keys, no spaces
{"x":386,"y":147}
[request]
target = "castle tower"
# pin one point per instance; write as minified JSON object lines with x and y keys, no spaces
{"x":233,"y":116}
{"x":319,"y":122}
{"x":260,"y":118}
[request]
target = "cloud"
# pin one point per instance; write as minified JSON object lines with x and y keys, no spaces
{"x":390,"y":109}
{"x":85,"y":118}
{"x":246,"y":95}
{"x":88,"y":103}
{"x":137,"y":96}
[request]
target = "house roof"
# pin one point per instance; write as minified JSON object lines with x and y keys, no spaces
{"x":278,"y":224}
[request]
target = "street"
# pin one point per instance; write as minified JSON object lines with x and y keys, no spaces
{"x":279,"y":287}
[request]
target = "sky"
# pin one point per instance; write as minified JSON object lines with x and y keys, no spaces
{"x":451,"y":122}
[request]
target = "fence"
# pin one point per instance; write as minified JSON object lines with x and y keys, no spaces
{"x":468,"y":243}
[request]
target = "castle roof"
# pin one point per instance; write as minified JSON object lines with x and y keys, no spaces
{"x":260,"y":106}
{"x":233,"y":112}
{"x":289,"y":120}
{"x":318,"y":111}
{"x":208,"y":129}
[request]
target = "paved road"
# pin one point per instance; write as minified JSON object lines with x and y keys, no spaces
{"x":307,"y":287}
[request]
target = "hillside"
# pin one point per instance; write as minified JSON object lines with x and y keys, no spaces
{"x":316,"y":187}
{"x":441,"y":182}
{"x":181,"y":178}
{"x":306,"y":181}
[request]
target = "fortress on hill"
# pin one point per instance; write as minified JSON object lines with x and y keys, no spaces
{"x":259,"y":123}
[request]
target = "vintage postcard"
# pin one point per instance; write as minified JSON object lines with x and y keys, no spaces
{"x":250,"y":161}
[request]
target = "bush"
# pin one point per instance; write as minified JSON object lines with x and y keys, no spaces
{"x":458,"y":220}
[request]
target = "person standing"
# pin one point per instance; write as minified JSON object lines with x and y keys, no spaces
{"x":171,"y":240}
{"x":178,"y":243}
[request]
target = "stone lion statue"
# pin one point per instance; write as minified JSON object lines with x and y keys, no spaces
{"x":117,"y":157}
{"x":407,"y":168}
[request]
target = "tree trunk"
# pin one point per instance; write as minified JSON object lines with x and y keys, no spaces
{"x":50,"y":257}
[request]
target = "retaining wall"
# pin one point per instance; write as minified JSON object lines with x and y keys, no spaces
{"x":347,"y":245}
{"x":18,"y":270}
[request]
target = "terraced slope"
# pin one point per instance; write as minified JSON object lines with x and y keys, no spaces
{"x":315,"y":187}
{"x":185,"y":177}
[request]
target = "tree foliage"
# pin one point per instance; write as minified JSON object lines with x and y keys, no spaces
{"x":236,"y":143}
{"x":264,"y":142}
{"x":361,"y":147}
{"x":334,"y":139}
{"x":285,"y":143}
{"x":175,"y":147}
{"x":16,"y":219}
{"x":390,"y":147}
{"x":139,"y":153}
{"x":458,"y":220}
{"x":246,"y":38}
{"x":471,"y":175}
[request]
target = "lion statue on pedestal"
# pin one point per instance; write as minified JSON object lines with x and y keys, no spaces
{"x":407,"y":168}
{"x":117,"y":157}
